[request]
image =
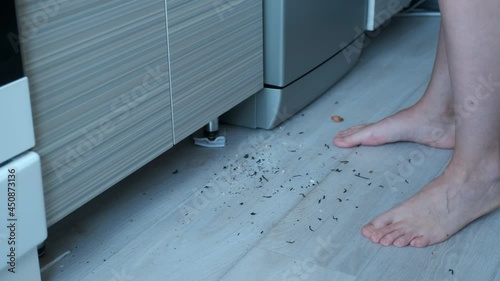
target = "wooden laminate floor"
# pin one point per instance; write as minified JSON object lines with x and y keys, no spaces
{"x":282,"y":204}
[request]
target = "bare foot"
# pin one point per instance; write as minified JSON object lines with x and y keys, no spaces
{"x":412,"y":124}
{"x":438,"y":211}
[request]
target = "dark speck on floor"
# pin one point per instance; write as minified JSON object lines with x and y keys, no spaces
{"x":175,"y":172}
{"x":253,"y":213}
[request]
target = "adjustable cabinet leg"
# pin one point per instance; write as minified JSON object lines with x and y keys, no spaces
{"x":211,"y":136}
{"x":212,"y":129}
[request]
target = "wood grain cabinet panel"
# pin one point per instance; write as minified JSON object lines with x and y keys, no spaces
{"x":216,"y":58}
{"x":99,"y":80}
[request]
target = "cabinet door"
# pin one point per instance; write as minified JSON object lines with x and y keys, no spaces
{"x":381,"y":11}
{"x":99,"y":80}
{"x":216,"y":58}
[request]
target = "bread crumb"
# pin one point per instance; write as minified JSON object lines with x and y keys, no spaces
{"x":336,"y":118}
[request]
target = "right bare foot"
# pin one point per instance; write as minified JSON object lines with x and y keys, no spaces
{"x":412,"y":124}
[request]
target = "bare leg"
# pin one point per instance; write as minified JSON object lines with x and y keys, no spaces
{"x":429,"y":121}
{"x":470,"y":186}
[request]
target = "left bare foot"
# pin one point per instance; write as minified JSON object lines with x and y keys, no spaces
{"x":439,"y":210}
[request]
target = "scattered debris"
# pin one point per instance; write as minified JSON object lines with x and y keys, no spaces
{"x":359,"y":176}
{"x":407,"y":181}
{"x":345,"y":190}
{"x":253,"y":213}
{"x":267,"y":196}
{"x":451,"y":271}
{"x":303,"y":195}
{"x":336,"y":219}
{"x":340,"y":200}
{"x":246,"y":156}
{"x":290,"y":241}
{"x":175,"y":172}
{"x":337,"y":119}
{"x":264,"y":177}
{"x":344,"y":162}
{"x":310,"y":228}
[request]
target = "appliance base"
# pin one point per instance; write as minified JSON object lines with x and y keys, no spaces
{"x":270,"y":107}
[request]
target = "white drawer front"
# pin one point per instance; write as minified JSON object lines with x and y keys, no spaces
{"x":16,"y":122}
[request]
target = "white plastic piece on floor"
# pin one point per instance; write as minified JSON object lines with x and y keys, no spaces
{"x":220,"y":141}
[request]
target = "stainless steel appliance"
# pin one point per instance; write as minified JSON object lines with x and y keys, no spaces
{"x":308,"y":46}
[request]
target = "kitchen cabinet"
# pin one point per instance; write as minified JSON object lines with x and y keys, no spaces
{"x":114,"y":84}
{"x":216,"y":58}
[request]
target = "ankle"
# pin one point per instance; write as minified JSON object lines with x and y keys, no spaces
{"x":485,"y":169}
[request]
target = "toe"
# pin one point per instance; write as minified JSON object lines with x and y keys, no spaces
{"x":349,"y":140}
{"x":389,"y":238}
{"x":342,"y":142}
{"x":420,"y":242}
{"x":378,"y":234}
{"x":368,"y":230}
{"x":404,"y":240}
{"x":351,"y":130}
{"x":350,"y":137}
